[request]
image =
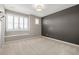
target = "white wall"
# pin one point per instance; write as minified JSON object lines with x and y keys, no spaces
{"x":35,"y":28}
{"x":2,"y":27}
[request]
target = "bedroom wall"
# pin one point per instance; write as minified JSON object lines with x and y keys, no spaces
{"x":2,"y":27}
{"x":35,"y":29}
{"x":62,"y":25}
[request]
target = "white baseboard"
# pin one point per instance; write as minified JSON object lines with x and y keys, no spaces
{"x":20,"y":36}
{"x":62,"y":41}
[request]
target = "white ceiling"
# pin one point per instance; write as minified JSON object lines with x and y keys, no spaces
{"x":29,"y":9}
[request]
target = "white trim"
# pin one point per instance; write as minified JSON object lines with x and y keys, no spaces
{"x":13,"y":22}
{"x":29,"y":23}
{"x":17,"y":35}
{"x":62,"y":41}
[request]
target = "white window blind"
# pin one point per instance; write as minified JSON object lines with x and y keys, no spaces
{"x":26,"y":22}
{"x":16,"y":22}
{"x":9,"y":22}
{"x":21,"y":24}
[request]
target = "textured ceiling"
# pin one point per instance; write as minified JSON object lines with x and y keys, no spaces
{"x":30,"y":10}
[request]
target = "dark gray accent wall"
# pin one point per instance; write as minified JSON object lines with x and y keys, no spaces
{"x":62,"y":25}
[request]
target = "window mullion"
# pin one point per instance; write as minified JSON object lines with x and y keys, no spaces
{"x":13,"y":22}
{"x":19,"y":23}
{"x":23,"y":23}
{"x":6,"y":22}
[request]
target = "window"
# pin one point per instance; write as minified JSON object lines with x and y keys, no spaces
{"x":16,"y":22}
{"x":21,"y":24}
{"x":10,"y":22}
{"x":25,"y":22}
{"x":36,"y":21}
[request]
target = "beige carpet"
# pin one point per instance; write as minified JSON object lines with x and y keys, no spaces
{"x":37,"y":46}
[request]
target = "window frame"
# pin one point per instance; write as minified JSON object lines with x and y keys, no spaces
{"x":37,"y":22}
{"x":18,"y":29}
